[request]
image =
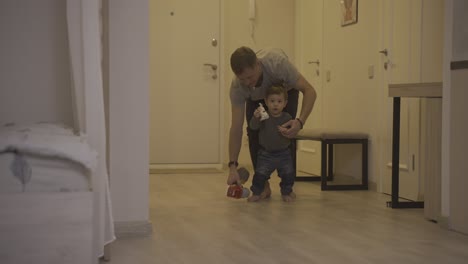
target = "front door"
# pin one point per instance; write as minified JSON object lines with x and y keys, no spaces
{"x":185,"y":82}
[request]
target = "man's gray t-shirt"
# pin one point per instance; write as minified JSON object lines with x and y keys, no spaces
{"x":269,"y":136}
{"x":277,"y":71}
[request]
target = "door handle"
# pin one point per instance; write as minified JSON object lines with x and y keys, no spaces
{"x":316,"y":62}
{"x":384,"y":52}
{"x":214,"y":67}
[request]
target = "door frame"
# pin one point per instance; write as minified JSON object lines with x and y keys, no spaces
{"x":309,"y":159}
{"x":210,"y":167}
{"x":413,"y":109}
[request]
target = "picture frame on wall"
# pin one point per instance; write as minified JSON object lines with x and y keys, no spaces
{"x":349,"y":12}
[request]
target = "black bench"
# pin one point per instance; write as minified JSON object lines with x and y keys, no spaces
{"x":328,"y":139}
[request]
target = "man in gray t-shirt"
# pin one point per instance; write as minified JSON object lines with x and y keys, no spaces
{"x":277,"y":70}
{"x":254,"y":72}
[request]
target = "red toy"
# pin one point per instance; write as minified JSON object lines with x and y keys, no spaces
{"x":238,"y":191}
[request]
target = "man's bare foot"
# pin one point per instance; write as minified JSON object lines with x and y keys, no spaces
{"x":266,"y":191}
{"x":254,"y":198}
{"x":289,"y":198}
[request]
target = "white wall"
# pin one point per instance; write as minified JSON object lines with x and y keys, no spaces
{"x":460,"y":39}
{"x":445,"y":181}
{"x":34,"y":64}
{"x":458,"y":218}
{"x":129,"y":112}
{"x":458,"y":123}
{"x":455,"y":49}
{"x":351,"y":100}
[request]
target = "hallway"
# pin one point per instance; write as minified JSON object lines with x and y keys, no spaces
{"x":194,"y":222}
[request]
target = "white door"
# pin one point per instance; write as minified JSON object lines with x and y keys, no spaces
{"x":185,"y":84}
{"x":402,"y":40}
{"x":309,"y":58}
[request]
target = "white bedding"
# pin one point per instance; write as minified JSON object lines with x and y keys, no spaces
{"x":44,"y":157}
{"x":48,"y":140}
{"x":46,"y":175}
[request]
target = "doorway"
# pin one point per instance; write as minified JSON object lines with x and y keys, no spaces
{"x":401,"y":58}
{"x":185,"y":83}
{"x":309,"y":60}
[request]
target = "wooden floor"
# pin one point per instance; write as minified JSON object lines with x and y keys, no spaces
{"x":194,"y":222}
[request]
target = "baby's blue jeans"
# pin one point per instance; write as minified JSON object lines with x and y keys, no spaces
{"x":267,"y":163}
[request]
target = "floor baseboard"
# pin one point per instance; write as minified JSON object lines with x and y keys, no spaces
{"x":185,"y":168}
{"x":133,"y":229}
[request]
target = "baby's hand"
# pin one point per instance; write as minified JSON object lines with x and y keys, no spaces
{"x":258,"y":113}
{"x":263,"y":114}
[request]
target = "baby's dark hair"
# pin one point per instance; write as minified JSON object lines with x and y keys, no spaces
{"x":276,"y":90}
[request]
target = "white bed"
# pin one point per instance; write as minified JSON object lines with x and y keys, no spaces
{"x":46,"y":174}
{"x":53,"y":216}
{"x":46,"y":198}
{"x":44,"y":157}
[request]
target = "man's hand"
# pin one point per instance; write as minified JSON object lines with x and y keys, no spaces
{"x":290,"y":128}
{"x":233,"y":177}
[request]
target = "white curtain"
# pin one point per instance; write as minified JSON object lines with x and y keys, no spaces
{"x":84,"y":34}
